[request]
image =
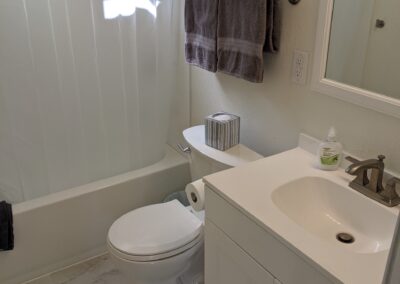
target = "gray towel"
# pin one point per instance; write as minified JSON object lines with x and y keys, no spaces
{"x":273,"y":35}
{"x":201,"y":33}
{"x":231,"y":35}
{"x":246,"y":28}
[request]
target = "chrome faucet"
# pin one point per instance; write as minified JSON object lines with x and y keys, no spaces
{"x":372,"y":186}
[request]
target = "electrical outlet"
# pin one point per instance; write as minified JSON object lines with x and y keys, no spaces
{"x":299,"y":68}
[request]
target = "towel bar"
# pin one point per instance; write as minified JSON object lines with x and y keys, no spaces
{"x":294,"y":2}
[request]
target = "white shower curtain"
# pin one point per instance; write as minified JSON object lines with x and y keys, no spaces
{"x":81,"y":97}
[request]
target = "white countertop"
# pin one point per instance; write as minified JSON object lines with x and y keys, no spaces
{"x":249,"y":187}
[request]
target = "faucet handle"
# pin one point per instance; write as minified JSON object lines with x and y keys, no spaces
{"x":184,"y":149}
{"x":392,"y":183}
{"x":390,"y":191}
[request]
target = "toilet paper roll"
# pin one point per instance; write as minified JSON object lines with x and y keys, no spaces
{"x":195,"y":194}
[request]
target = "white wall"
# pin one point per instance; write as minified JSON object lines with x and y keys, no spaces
{"x":275,"y":112}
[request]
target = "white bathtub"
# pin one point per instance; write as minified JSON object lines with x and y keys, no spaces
{"x":66,"y":227}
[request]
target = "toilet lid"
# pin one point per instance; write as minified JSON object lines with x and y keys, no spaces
{"x":154,"y":229}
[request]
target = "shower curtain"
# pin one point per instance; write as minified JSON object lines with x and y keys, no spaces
{"x":82,"y":97}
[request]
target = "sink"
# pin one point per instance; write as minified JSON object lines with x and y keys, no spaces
{"x":326,"y":209}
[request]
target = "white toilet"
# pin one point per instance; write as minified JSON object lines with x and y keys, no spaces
{"x":163,"y":243}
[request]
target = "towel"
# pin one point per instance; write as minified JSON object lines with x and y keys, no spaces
{"x":273,"y":33}
{"x":6,"y":227}
{"x":246,"y":29}
{"x":201,"y":33}
{"x":232,"y":35}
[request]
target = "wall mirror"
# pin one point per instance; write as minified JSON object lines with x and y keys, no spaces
{"x":357,"y":53}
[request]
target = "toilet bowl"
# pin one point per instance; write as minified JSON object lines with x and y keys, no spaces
{"x":187,"y":265}
{"x":163,"y":243}
{"x":158,"y":244}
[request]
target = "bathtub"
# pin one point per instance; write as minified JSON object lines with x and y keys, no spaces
{"x":69,"y":226}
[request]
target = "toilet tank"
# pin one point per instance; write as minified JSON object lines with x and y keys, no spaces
{"x":205,"y":160}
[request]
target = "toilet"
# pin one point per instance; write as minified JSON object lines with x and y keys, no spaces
{"x":163,"y":243}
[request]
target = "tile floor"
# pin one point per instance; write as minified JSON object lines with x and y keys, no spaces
{"x":99,"y":270}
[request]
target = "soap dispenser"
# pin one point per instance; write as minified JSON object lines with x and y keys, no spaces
{"x":330,"y":152}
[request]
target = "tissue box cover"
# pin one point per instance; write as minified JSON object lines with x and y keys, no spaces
{"x":222,"y":130}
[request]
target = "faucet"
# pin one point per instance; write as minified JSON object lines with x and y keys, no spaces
{"x":360,"y":168}
{"x":373,"y":186}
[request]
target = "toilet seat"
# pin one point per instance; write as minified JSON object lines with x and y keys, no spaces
{"x":155,"y":232}
{"x":157,"y":257}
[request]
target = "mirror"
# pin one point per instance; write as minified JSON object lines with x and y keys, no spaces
{"x":364,"y":45}
{"x":357,"y":53}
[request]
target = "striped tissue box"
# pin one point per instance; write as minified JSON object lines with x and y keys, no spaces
{"x":222,"y":130}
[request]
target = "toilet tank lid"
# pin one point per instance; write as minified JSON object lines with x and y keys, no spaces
{"x":232,"y":157}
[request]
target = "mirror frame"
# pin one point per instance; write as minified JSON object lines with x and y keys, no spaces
{"x":348,"y":93}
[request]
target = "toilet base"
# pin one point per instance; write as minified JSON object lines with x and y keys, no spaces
{"x":185,"y":268}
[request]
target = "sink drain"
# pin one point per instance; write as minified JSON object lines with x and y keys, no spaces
{"x":345,"y":238}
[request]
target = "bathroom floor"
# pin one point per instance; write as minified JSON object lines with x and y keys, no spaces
{"x":98,"y":270}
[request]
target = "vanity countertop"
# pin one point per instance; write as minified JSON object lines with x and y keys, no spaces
{"x":249,"y":188}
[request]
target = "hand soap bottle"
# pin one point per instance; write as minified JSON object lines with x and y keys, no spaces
{"x":330,"y":152}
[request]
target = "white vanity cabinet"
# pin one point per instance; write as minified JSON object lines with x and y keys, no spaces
{"x":227,"y":263}
{"x":238,"y":251}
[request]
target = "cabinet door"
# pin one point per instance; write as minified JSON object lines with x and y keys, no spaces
{"x":227,"y":263}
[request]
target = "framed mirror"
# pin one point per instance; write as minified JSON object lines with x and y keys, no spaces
{"x":357,"y":53}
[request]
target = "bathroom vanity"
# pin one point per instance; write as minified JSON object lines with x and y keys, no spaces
{"x":278,"y":220}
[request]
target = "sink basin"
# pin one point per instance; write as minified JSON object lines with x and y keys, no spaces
{"x":326,"y":209}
